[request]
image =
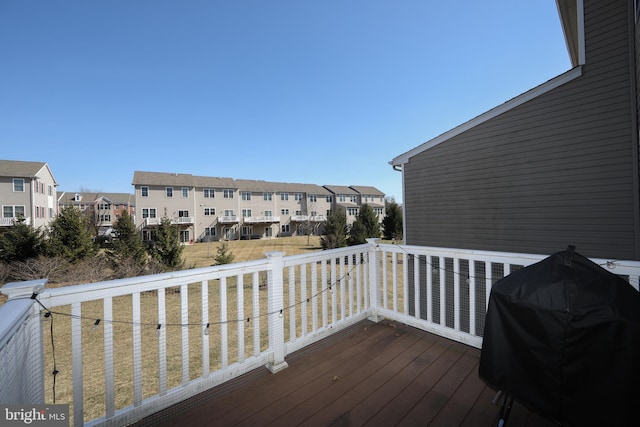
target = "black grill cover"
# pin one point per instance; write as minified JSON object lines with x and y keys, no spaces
{"x":562,"y":336}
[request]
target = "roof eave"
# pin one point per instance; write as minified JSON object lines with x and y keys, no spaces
{"x":494,"y":112}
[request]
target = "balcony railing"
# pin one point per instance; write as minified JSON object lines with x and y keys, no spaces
{"x":178,"y":220}
{"x":260,"y":219}
{"x":131,"y":347}
{"x":8,"y":222}
{"x":229,"y":219}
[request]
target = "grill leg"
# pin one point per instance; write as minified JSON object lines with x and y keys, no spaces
{"x":505,"y":408}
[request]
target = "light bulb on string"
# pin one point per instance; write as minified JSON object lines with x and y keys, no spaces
{"x":206,"y":330}
{"x":158,"y":329}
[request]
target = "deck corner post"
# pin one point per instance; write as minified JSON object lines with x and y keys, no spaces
{"x":275,"y":303}
{"x":374,"y":280}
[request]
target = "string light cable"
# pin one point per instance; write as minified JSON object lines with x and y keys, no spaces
{"x":96,"y":321}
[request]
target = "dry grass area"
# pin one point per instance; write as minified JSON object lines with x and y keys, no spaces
{"x":203,"y":254}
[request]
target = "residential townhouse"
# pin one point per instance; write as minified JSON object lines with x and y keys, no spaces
{"x":102,"y":209}
{"x":350,"y":199}
{"x":210,"y":208}
{"x":27,"y":190}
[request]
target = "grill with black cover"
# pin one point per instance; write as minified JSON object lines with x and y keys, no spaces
{"x":562,"y":337}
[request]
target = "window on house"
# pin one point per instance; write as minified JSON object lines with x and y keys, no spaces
{"x":268,"y":196}
{"x":210,"y":231}
{"x":246,"y":195}
{"x":298,"y":197}
{"x":144,"y":191}
{"x":148,"y":212}
{"x":268,"y":214}
{"x":105,"y":218}
{"x":246,"y":213}
{"x":18,"y":185}
{"x":185,"y":192}
{"x":51,"y":212}
{"x":209,"y":211}
{"x":328,"y":199}
{"x":228,"y":194}
{"x":313,"y":198}
{"x":378,"y":211}
{"x":284,"y":196}
{"x":247,"y":231}
{"x":103,"y":206}
{"x":184,"y":236}
{"x":183,"y":214}
{"x":352,"y":199}
{"x":298,"y":213}
{"x":342,"y":198}
{"x":50,"y":190}
{"x":314,"y":213}
{"x":285,"y":228}
{"x":352,"y":211}
{"x":209,"y":193}
{"x":169,"y":192}
{"x":229,"y":212}
{"x":284,"y":211}
{"x":42,"y":187}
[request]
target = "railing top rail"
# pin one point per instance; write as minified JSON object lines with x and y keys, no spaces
{"x":479,"y":255}
{"x":320,"y":255}
{"x":622,"y":267}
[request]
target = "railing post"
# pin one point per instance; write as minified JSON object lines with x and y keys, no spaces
{"x":374,"y":280}
{"x":21,"y":358}
{"x":275,"y":289}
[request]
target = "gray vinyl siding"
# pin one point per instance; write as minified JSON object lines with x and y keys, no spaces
{"x":560,"y":169}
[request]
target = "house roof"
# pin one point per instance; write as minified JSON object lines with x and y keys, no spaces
{"x":162,"y":178}
{"x":90,"y":197}
{"x":22,"y":169}
{"x":369,"y":191}
{"x":279,"y":187}
{"x":570,"y":18}
{"x":341,"y":189}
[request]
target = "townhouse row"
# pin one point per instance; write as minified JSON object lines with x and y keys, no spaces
{"x":211,"y":208}
{"x":204,"y":208}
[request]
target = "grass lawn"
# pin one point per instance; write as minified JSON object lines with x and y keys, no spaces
{"x":203,"y":254}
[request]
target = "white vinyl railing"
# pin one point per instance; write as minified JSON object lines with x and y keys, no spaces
{"x":127,"y":348}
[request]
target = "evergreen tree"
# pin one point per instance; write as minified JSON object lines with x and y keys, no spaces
{"x":392,"y":222}
{"x":335,"y":231}
{"x":127,"y":242}
{"x":365,"y":226}
{"x":70,"y":236}
{"x":20,"y":242}
{"x":167,"y":248}
{"x":224,"y":255}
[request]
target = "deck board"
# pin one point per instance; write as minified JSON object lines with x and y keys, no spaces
{"x":382,"y":374}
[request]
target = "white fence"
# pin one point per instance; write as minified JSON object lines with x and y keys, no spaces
{"x":127,"y":348}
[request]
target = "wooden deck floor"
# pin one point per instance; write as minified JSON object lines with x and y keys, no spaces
{"x":383,"y":374}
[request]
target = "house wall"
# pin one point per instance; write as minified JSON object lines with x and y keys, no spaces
{"x":559,"y":169}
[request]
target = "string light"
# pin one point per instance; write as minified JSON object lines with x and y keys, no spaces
{"x":206,"y":328}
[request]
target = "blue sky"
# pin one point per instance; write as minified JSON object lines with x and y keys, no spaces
{"x":322,"y":92}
